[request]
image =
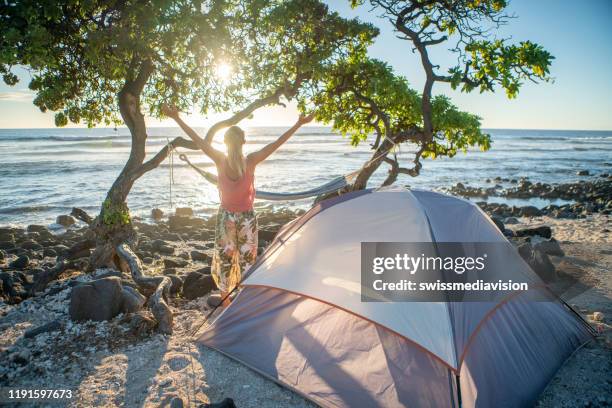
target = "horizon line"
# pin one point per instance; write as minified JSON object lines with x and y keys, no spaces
{"x":282,"y":126}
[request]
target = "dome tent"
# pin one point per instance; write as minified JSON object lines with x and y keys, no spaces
{"x":299,"y":319}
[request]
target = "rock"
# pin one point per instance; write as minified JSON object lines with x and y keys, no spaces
{"x":214,"y":300}
{"x":7,"y":243}
{"x":2,"y":255}
{"x":200,"y":256}
{"x":133,"y":301}
{"x":265,"y":235}
{"x":204,"y":270}
{"x":49,"y":252}
{"x":14,"y":286}
{"x":530,"y":211}
{"x":226,"y":403}
{"x":169,"y":271}
{"x":31,"y":245}
{"x":20,"y":357}
{"x":582,"y":173}
{"x":541,"y":264}
{"x":544,"y":231}
{"x":45,"y":328}
{"x":97,"y":300}
{"x":550,"y":247}
{"x":65,"y":220}
{"x":79,"y":253}
{"x":157,"y":214}
{"x":37,"y":228}
{"x":197,"y":285}
{"x":175,"y":263}
{"x":511,"y":221}
{"x":176,"y":222}
{"x":177,"y":284}
{"x":21,"y":262}
{"x":162,"y":247}
{"x":176,"y":402}
{"x":498,"y":223}
{"x":184,"y":212}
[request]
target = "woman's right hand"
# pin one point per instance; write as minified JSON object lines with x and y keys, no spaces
{"x":170,"y":111}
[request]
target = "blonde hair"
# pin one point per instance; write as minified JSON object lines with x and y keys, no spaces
{"x":234,"y":139}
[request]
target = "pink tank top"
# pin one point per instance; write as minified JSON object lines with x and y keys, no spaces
{"x":236,"y":195}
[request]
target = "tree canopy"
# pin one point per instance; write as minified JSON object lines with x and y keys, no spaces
{"x":82,"y":54}
{"x":364,"y":96}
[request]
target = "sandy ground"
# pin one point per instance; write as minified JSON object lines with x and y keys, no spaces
{"x":108,"y":366}
{"x":585,"y":380}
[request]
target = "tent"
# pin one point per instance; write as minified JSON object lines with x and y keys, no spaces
{"x":299,"y":319}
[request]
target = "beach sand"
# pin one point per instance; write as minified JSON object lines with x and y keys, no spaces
{"x":108,"y":367}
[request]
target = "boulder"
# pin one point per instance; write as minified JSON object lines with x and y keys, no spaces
{"x":157,"y":214}
{"x":14,"y":286}
{"x":583,"y":173}
{"x":498,"y":223}
{"x":133,"y":301}
{"x":177,"y":402}
{"x":37,"y":228}
{"x":21,"y":262}
{"x":177,"y":284}
{"x":550,"y":247}
{"x":175,"y":263}
{"x":530,"y":211}
{"x":98,"y":300}
{"x":544,"y":231}
{"x":184,"y":212}
{"x":31,"y":245}
{"x":162,"y":247}
{"x":176,"y":222}
{"x":511,"y":221}
{"x":7,"y":243}
{"x":200,"y":256}
{"x":78,"y":253}
{"x":65,"y":220}
{"x":197,"y":285}
{"x":205,"y":270}
{"x":265,"y":235}
{"x":538,"y":261}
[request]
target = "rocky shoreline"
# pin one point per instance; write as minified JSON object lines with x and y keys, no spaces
{"x":63,"y":323}
{"x":586,"y":197}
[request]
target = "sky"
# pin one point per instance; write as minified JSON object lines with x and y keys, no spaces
{"x":578,"y":34}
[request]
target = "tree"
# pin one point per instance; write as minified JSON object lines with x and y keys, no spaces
{"x":376,"y":101}
{"x":108,"y":61}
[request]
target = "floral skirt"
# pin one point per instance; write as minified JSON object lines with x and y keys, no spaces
{"x":235,"y":247}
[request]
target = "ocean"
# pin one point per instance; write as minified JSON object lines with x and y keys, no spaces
{"x":46,"y":172}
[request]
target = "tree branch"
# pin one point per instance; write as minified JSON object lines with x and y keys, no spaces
{"x":273,"y":98}
{"x":161,"y":156}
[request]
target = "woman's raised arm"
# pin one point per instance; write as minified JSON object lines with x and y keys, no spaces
{"x":204,"y":144}
{"x":267,"y":150}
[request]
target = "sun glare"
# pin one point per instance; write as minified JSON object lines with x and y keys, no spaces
{"x":224,"y":71}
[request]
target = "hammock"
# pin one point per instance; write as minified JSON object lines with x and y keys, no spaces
{"x":331,"y":186}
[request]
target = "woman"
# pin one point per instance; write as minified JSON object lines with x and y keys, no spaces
{"x":236,"y":229}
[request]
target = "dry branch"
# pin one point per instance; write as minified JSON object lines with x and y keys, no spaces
{"x":157,"y":288}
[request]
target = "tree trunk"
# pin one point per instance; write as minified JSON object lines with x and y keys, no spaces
{"x":112,"y":229}
{"x":113,"y":225}
{"x":414,"y":135}
{"x":372,"y":165}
